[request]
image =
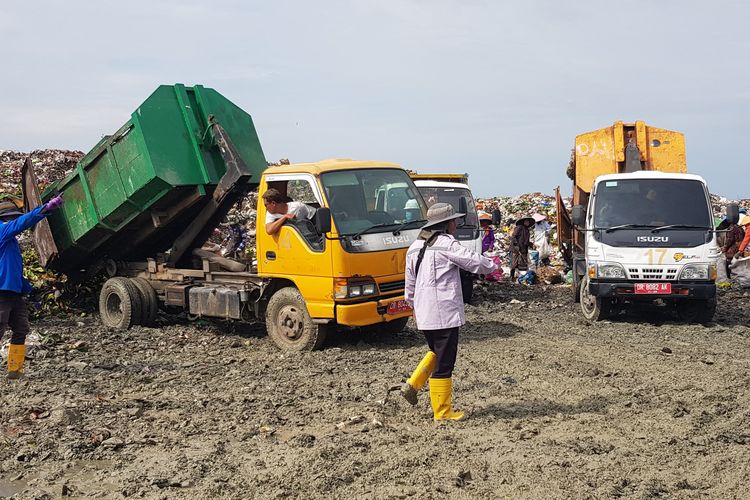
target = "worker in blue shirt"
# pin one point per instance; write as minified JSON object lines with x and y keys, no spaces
{"x":13,"y":286}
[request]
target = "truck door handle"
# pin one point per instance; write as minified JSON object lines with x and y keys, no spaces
{"x":271,"y":255}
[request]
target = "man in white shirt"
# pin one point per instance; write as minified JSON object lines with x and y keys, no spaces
{"x":280,"y":208}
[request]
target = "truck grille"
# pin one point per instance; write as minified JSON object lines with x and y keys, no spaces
{"x":391,"y":286}
{"x":653,"y":273}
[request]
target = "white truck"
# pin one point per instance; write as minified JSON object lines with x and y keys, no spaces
{"x":644,"y":234}
{"x":649,"y":236}
{"x":454,"y":189}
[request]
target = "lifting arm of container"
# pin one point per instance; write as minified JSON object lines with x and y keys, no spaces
{"x":227,"y":192}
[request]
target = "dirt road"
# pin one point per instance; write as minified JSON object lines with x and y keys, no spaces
{"x":639,"y":407}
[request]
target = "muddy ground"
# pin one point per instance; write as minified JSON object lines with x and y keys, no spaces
{"x":558,"y":407}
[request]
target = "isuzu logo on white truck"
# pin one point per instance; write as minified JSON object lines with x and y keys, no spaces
{"x":653,"y":239}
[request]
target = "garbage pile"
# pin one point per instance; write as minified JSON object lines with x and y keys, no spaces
{"x":243,"y":217}
{"x":514,"y":208}
{"x":719,"y":204}
{"x":49,"y":165}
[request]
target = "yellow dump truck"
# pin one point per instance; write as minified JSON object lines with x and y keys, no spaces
{"x":141,"y":205}
{"x":641,"y":227}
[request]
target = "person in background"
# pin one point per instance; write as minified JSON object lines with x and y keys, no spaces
{"x":734,"y":237}
{"x":520,"y":242}
{"x":280,"y":208}
{"x":744,"y":223}
{"x":488,"y":238}
{"x":14,"y":288}
{"x":541,"y":237}
{"x":433,"y":288}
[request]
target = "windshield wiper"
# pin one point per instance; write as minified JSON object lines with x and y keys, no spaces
{"x":626,"y":226}
{"x":376,"y":226}
{"x":679,"y":226}
{"x":401,"y":226}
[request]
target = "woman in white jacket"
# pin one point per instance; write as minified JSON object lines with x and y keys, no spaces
{"x":433,"y":288}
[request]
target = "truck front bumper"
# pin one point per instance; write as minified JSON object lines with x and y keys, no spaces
{"x":368,"y":313}
{"x":680,"y":290}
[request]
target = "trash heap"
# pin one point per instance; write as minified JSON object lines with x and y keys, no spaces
{"x":513,"y":208}
{"x":49,"y":166}
{"x":719,"y":204}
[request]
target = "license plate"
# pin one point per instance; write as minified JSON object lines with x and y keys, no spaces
{"x":653,"y":288}
{"x":398,"y":306}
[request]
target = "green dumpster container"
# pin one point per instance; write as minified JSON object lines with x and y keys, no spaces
{"x":138,"y":189}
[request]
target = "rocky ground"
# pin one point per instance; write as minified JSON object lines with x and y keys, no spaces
{"x":638,"y":407}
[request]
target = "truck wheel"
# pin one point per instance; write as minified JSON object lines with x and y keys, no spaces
{"x":593,"y":308}
{"x":696,"y":311}
{"x":119,"y":304}
{"x":289,"y":324}
{"x":149,"y":300}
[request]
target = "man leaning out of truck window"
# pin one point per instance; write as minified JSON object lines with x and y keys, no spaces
{"x":280,"y":208}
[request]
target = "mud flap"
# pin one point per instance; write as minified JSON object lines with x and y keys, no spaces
{"x":44,"y":242}
{"x":564,"y":230}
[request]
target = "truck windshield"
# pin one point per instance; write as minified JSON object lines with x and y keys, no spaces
{"x":372,"y":200}
{"x":451,"y":195}
{"x":651,"y":203}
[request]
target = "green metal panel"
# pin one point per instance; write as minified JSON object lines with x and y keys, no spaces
{"x":136,"y":189}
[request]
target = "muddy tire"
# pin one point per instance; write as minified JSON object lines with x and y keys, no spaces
{"x":119,"y":304}
{"x":289,"y":323}
{"x":149,"y":301}
{"x":696,"y":311}
{"x":593,"y":308}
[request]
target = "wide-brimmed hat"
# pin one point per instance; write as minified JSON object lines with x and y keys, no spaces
{"x":538,"y":217}
{"x":9,"y":209}
{"x":440,"y":212}
{"x":520,"y":221}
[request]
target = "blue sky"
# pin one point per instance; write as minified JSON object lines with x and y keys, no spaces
{"x":495,"y":89}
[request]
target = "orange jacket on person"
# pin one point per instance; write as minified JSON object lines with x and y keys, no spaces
{"x":745,"y":222}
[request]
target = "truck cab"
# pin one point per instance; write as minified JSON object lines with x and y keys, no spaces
{"x":649,"y":237}
{"x":641,"y":227}
{"x":438,"y":191}
{"x":348,"y":264}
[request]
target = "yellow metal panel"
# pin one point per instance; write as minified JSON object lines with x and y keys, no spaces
{"x":366,"y":313}
{"x":666,"y":149}
{"x":618,"y":136}
{"x":598,"y":152}
{"x":641,"y":139}
{"x":328,"y":165}
{"x":595,"y":156}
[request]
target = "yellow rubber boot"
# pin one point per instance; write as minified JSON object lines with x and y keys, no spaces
{"x":16,"y":358}
{"x":419,"y":377}
{"x":441,"y":395}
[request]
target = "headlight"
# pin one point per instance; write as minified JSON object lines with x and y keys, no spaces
{"x":696,"y":272}
{"x":350,"y":288}
{"x":610,"y":270}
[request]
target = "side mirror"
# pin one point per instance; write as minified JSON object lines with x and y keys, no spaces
{"x":463,"y":208}
{"x":733,"y":213}
{"x":578,"y":215}
{"x":497,"y":217}
{"x":323,"y":220}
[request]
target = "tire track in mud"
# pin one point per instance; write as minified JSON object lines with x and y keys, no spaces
{"x":558,"y":407}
